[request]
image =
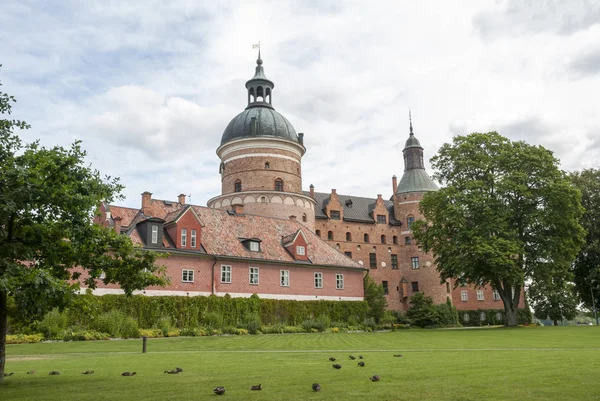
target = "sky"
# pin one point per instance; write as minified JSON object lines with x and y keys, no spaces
{"x":149,"y":86}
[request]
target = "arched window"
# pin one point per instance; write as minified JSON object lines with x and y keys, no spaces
{"x":252,"y":98}
{"x":267,"y":165}
{"x":366,"y":237}
{"x":304,"y":218}
{"x":263,"y":199}
{"x":268,"y":95}
{"x":279,"y":184}
{"x":348,"y":236}
{"x":318,"y":232}
{"x":383,"y":239}
{"x":237,"y":186}
{"x":260,"y":96}
{"x":330,"y":235}
{"x":409,"y":221}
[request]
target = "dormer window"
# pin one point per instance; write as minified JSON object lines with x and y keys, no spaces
{"x":300,"y":250}
{"x":183,"y":237}
{"x":334,"y":215}
{"x":193,"y":239}
{"x":381,"y":219}
{"x":154,"y":238}
{"x":252,"y":244}
{"x":349,"y":203}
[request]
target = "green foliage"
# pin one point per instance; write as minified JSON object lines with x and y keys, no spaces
{"x":423,"y":313}
{"x":86,"y":335}
{"x":492,"y":317}
{"x":53,"y":325}
{"x":319,"y":324}
{"x":117,"y":325}
{"x":554,"y":297}
{"x":586,"y":268}
{"x":24,"y":338}
{"x":375,"y":298}
{"x":509,"y":211}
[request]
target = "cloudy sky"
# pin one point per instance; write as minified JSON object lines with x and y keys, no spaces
{"x":149,"y":86}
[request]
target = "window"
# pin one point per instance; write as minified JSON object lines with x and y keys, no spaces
{"x":154,"y":239}
{"x":482,"y":316}
{"x":448,"y":287}
{"x":385,"y":287}
{"x":480,"y":295}
{"x":348,"y":253}
{"x":318,"y":280}
{"x":330,"y":235}
{"x":318,"y":232}
{"x":278,"y":185}
{"x":496,"y":296}
{"x":267,"y":166}
{"x":414,"y":262}
{"x":237,"y":186}
{"x":348,"y":236}
{"x":284,"y":278}
{"x":254,"y":246}
{"x":263,"y":199}
{"x":466,"y":317}
{"x":193,"y":238}
{"x":499,"y":316}
{"x":225,"y":274}
{"x":300,"y":250}
{"x":304,"y":218}
{"x":373,"y":260}
{"x":394,"y":262}
{"x":366,"y":237}
{"x":395,"y":240}
{"x":381,"y":219}
{"x":383,"y":239}
{"x":409,"y":221}
{"x":187,"y":276}
{"x":334,"y":215}
{"x":406,"y":240}
{"x":464,"y":296}
{"x":184,"y":237}
{"x":415,"y":286}
{"x":339,"y":281}
{"x":254,"y":275}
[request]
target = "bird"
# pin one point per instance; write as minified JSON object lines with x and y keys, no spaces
{"x":128,"y":374}
{"x":352,"y":357}
{"x":257,"y":387}
{"x":172,"y":372}
{"x":374,"y":378}
{"x":9,"y":374}
{"x":220,"y":390}
{"x":54,"y":373}
{"x":361,"y":364}
{"x":332,"y":359}
{"x":398,"y":355}
{"x":179,"y":370}
{"x":360,"y":357}
{"x":31,"y":372}
{"x":316,"y":387}
{"x":88,"y":372}
{"x":337,"y":366}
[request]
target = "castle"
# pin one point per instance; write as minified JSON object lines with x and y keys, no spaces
{"x":264,"y":234}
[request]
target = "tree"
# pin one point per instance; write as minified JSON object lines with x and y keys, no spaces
{"x":587,"y":264}
{"x":554,"y":296}
{"x":504,"y":213}
{"x":422,"y":312}
{"x":375,"y":297}
{"x":47,"y":237}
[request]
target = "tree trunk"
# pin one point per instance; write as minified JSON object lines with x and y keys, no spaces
{"x":511,"y":316}
{"x":3,"y":330}
{"x":555,"y":322}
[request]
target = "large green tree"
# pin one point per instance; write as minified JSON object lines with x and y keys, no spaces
{"x":587,"y":264}
{"x":504,"y":212}
{"x":553,"y":296}
{"x":47,"y":237}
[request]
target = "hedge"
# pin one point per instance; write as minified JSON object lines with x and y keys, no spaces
{"x":492,"y":317}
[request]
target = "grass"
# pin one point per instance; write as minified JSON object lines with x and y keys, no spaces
{"x":478,"y":364}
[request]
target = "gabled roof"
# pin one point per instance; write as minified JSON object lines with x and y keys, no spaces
{"x":290,"y":239}
{"x":359,"y":209}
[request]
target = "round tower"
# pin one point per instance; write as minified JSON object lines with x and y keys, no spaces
{"x":261,"y":159}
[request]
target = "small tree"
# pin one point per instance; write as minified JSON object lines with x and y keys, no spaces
{"x":47,"y":237}
{"x":422,"y":311}
{"x":554,"y":297}
{"x":375,"y":297}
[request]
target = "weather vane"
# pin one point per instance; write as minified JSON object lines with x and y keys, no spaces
{"x":257,"y":46}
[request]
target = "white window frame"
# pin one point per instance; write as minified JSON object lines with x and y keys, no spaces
{"x":414,"y":265}
{"x":284,"y":278}
{"x":154,"y":238}
{"x":464,"y":296}
{"x":252,"y":245}
{"x":482,"y":317}
{"x":300,"y":250}
{"x":499,"y":316}
{"x":466,"y":317}
{"x":253,"y":273}
{"x":318,"y":279}
{"x":183,"y":237}
{"x":193,"y":238}
{"x":339,"y":281}
{"x":480,"y":295}
{"x":226,"y":274}
{"x":496,"y":295}
{"x":185,"y":276}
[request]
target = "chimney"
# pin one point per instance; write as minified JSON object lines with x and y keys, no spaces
{"x":117,"y":221}
{"x":182,"y":199}
{"x":301,"y":138}
{"x":312,"y":191}
{"x":333,"y":191}
{"x":293,"y":218}
{"x":238,"y":208}
{"x":379,"y":199}
{"x":146,"y":201}
{"x":394,"y":184}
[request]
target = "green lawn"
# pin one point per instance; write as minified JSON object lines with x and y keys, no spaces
{"x":561,"y":363}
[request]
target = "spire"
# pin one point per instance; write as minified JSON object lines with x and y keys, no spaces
{"x":410,"y":119}
{"x":259,"y":87}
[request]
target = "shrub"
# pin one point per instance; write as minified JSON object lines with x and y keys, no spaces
{"x":424,"y":313}
{"x":117,"y":325}
{"x":86,"y":335}
{"x":151,"y":333}
{"x":293,"y":329}
{"x":213,"y":320}
{"x":53,"y":324}
{"x":24,"y":338}
{"x":251,"y":323}
{"x":165,"y":325}
{"x":370,"y":324}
